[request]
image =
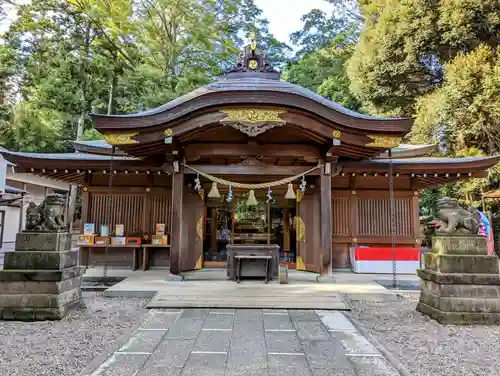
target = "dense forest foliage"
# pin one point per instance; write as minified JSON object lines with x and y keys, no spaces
{"x":437,"y":61}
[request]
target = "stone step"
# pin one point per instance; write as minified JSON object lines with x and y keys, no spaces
{"x":40,"y":300}
{"x":459,"y":278}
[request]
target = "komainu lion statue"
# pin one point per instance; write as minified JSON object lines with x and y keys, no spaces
{"x":48,"y":216}
{"x":453,"y":219}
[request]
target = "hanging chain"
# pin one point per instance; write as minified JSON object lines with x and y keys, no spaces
{"x":108,"y":212}
{"x":392,"y":204}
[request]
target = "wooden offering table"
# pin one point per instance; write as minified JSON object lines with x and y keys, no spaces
{"x":86,"y":250}
{"x":146,"y":249}
{"x":252,"y":260}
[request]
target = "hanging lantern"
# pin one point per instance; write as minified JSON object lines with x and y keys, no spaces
{"x":290,"y":194}
{"x":252,"y":201}
{"x":214,"y":192}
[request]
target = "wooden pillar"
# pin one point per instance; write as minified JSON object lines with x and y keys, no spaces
{"x":21,"y":210}
{"x":177,"y":218}
{"x":326,"y":230}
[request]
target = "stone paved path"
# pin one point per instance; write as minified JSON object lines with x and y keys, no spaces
{"x":246,"y":342}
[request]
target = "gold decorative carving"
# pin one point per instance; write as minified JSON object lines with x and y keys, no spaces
{"x":120,"y":138}
{"x":252,"y":64}
{"x":199,"y":229}
{"x":299,"y":194}
{"x":253,"y":115}
{"x":168,"y":132}
{"x":336,"y":133}
{"x":300,"y":228}
{"x":199,"y":263}
{"x":300,"y":264}
{"x":253,"y":121}
{"x":384,"y":141}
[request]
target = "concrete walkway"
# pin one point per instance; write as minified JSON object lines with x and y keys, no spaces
{"x":249,"y":342}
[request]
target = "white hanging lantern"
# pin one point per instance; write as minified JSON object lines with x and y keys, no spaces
{"x":290,"y":194}
{"x":252,"y":201}
{"x":214,"y":192}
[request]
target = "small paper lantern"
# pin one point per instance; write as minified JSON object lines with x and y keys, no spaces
{"x":290,"y":194}
{"x":214,"y":192}
{"x":252,"y":201}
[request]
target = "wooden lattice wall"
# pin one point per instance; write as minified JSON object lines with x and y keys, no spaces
{"x":136,"y":211}
{"x":363,"y":217}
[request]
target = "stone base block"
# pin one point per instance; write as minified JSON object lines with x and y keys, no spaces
{"x":43,"y":241}
{"x":459,"y":278}
{"x":39,"y":287}
{"x":40,"y":260}
{"x":470,"y":264}
{"x":40,"y":314}
{"x":459,"y":318}
{"x":41,"y":275}
{"x":38,"y":301}
{"x":460,"y":245}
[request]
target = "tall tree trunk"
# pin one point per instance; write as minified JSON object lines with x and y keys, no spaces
{"x":112,"y":94}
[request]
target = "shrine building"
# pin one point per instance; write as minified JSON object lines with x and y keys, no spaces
{"x":249,"y":159}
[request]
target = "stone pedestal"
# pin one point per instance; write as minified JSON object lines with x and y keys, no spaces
{"x":40,"y":279}
{"x":460,"y":283}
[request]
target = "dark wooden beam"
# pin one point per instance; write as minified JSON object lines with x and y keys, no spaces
{"x":309,"y":153}
{"x":252,"y":170}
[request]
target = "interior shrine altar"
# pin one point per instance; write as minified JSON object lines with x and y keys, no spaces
{"x":249,"y":159}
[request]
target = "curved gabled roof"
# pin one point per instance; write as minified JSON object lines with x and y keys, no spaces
{"x":252,"y":91}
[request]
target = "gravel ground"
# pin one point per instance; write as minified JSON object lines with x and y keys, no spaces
{"x":65,"y":347}
{"x":424,"y":346}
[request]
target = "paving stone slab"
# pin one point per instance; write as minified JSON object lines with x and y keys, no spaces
{"x":248,"y":315}
{"x":287,"y":342}
{"x":302,"y":315}
{"x":203,"y":372}
{"x":144,"y":341}
{"x":160,"y":320}
{"x":185,"y":328}
{"x":206,"y":361}
{"x":121,"y":365}
{"x":247,"y":371}
{"x":335,"y":320}
{"x":171,"y":353}
{"x":213,"y":340}
{"x":280,"y":321}
{"x":325,"y":354}
{"x":289,"y":371}
{"x":196,"y":313}
{"x":282,"y":361}
{"x":218,"y":321}
{"x":311,"y":330}
{"x":159,"y":371}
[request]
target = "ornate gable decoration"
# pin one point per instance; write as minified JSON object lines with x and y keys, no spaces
{"x":252,"y":121}
{"x":252,"y":62}
{"x":384,"y":141}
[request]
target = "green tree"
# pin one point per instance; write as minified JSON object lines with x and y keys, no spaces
{"x":404,"y":45}
{"x":324,"y":71}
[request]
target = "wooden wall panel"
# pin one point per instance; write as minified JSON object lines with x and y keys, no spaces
{"x":159,"y":211}
{"x":126,"y":209}
{"x":341,"y":216}
{"x":375,"y":219}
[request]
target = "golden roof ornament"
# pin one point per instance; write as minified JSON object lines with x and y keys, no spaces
{"x":253,"y":43}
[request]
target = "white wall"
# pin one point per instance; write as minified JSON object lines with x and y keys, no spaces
{"x":11,"y":226}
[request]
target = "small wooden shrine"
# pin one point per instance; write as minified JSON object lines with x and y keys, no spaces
{"x":250,"y":159}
